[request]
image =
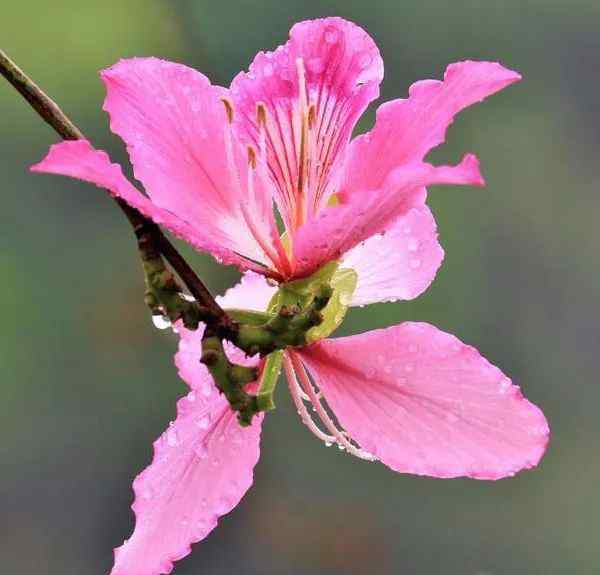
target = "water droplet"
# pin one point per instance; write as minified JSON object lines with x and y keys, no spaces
{"x":172,"y":438}
{"x":341,"y":447}
{"x":365,"y":60}
{"x":315,"y":65}
{"x":203,"y":422}
{"x":201,"y":451}
{"x":331,"y":36}
{"x":413,"y":245}
{"x":504,"y":385}
{"x":147,"y":493}
{"x":161,"y":322}
{"x":328,"y":444}
{"x":415,"y":263}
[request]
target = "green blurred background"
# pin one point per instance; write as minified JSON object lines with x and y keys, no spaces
{"x":87,"y":383}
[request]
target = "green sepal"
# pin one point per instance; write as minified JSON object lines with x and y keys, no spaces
{"x":343,"y":283}
{"x":249,"y":317}
{"x":268,"y":381}
{"x":331,"y":280}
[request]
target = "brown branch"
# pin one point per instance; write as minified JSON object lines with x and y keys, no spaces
{"x":149,"y":235}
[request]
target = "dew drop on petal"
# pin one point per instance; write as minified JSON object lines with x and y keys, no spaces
{"x":505,"y":384}
{"x":365,"y":60}
{"x":172,"y":438}
{"x":203,"y":422}
{"x":331,"y":36}
{"x":201,"y":451}
{"x":147,"y":493}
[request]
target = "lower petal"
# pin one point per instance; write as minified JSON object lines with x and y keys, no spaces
{"x":425,"y":403}
{"x":203,"y":465}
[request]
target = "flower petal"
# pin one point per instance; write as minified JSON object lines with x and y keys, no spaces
{"x":201,"y":469}
{"x":406,"y":130}
{"x":78,"y":159}
{"x":425,"y":403}
{"x":252,"y":292}
{"x":338,"y":229}
{"x":179,"y":140}
{"x":399,"y":263}
{"x":343,"y":70}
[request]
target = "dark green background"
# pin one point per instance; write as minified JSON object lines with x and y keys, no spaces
{"x":87,"y":382}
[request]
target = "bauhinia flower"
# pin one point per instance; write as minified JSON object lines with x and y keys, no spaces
{"x":217,"y":166}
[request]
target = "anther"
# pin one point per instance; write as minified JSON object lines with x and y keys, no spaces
{"x":228,"y":108}
{"x":261,"y":114}
{"x":252,"y":157}
{"x":312,"y":116}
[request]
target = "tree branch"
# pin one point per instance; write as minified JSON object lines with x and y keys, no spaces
{"x":148,"y":234}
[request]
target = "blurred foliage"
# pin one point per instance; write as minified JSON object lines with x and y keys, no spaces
{"x":87,"y":383}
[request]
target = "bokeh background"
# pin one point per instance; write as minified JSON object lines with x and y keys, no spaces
{"x":86,"y":382}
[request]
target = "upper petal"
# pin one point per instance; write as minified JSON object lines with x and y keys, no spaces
{"x":342,"y":71}
{"x":399,"y":263}
{"x":405,"y":130}
{"x":338,"y":229}
{"x":78,"y":159}
{"x":202,"y":467}
{"x":179,"y":140}
{"x":425,"y":403}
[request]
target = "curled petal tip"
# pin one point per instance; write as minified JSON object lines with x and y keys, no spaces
{"x":471,"y":166}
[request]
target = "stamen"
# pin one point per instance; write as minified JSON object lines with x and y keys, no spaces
{"x":268,"y":134}
{"x":303,"y":154}
{"x":264,"y":244}
{"x":298,"y":395}
{"x":341,"y":437}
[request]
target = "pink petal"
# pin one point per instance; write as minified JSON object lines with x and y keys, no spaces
{"x":176,"y":130}
{"x":406,"y":130}
{"x":252,"y":292}
{"x":78,"y":159}
{"x":343,"y":70}
{"x":425,"y":403}
{"x":399,"y":263}
{"x":338,"y":229}
{"x":201,"y":469}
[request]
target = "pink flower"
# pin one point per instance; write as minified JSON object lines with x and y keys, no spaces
{"x":213,"y":161}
